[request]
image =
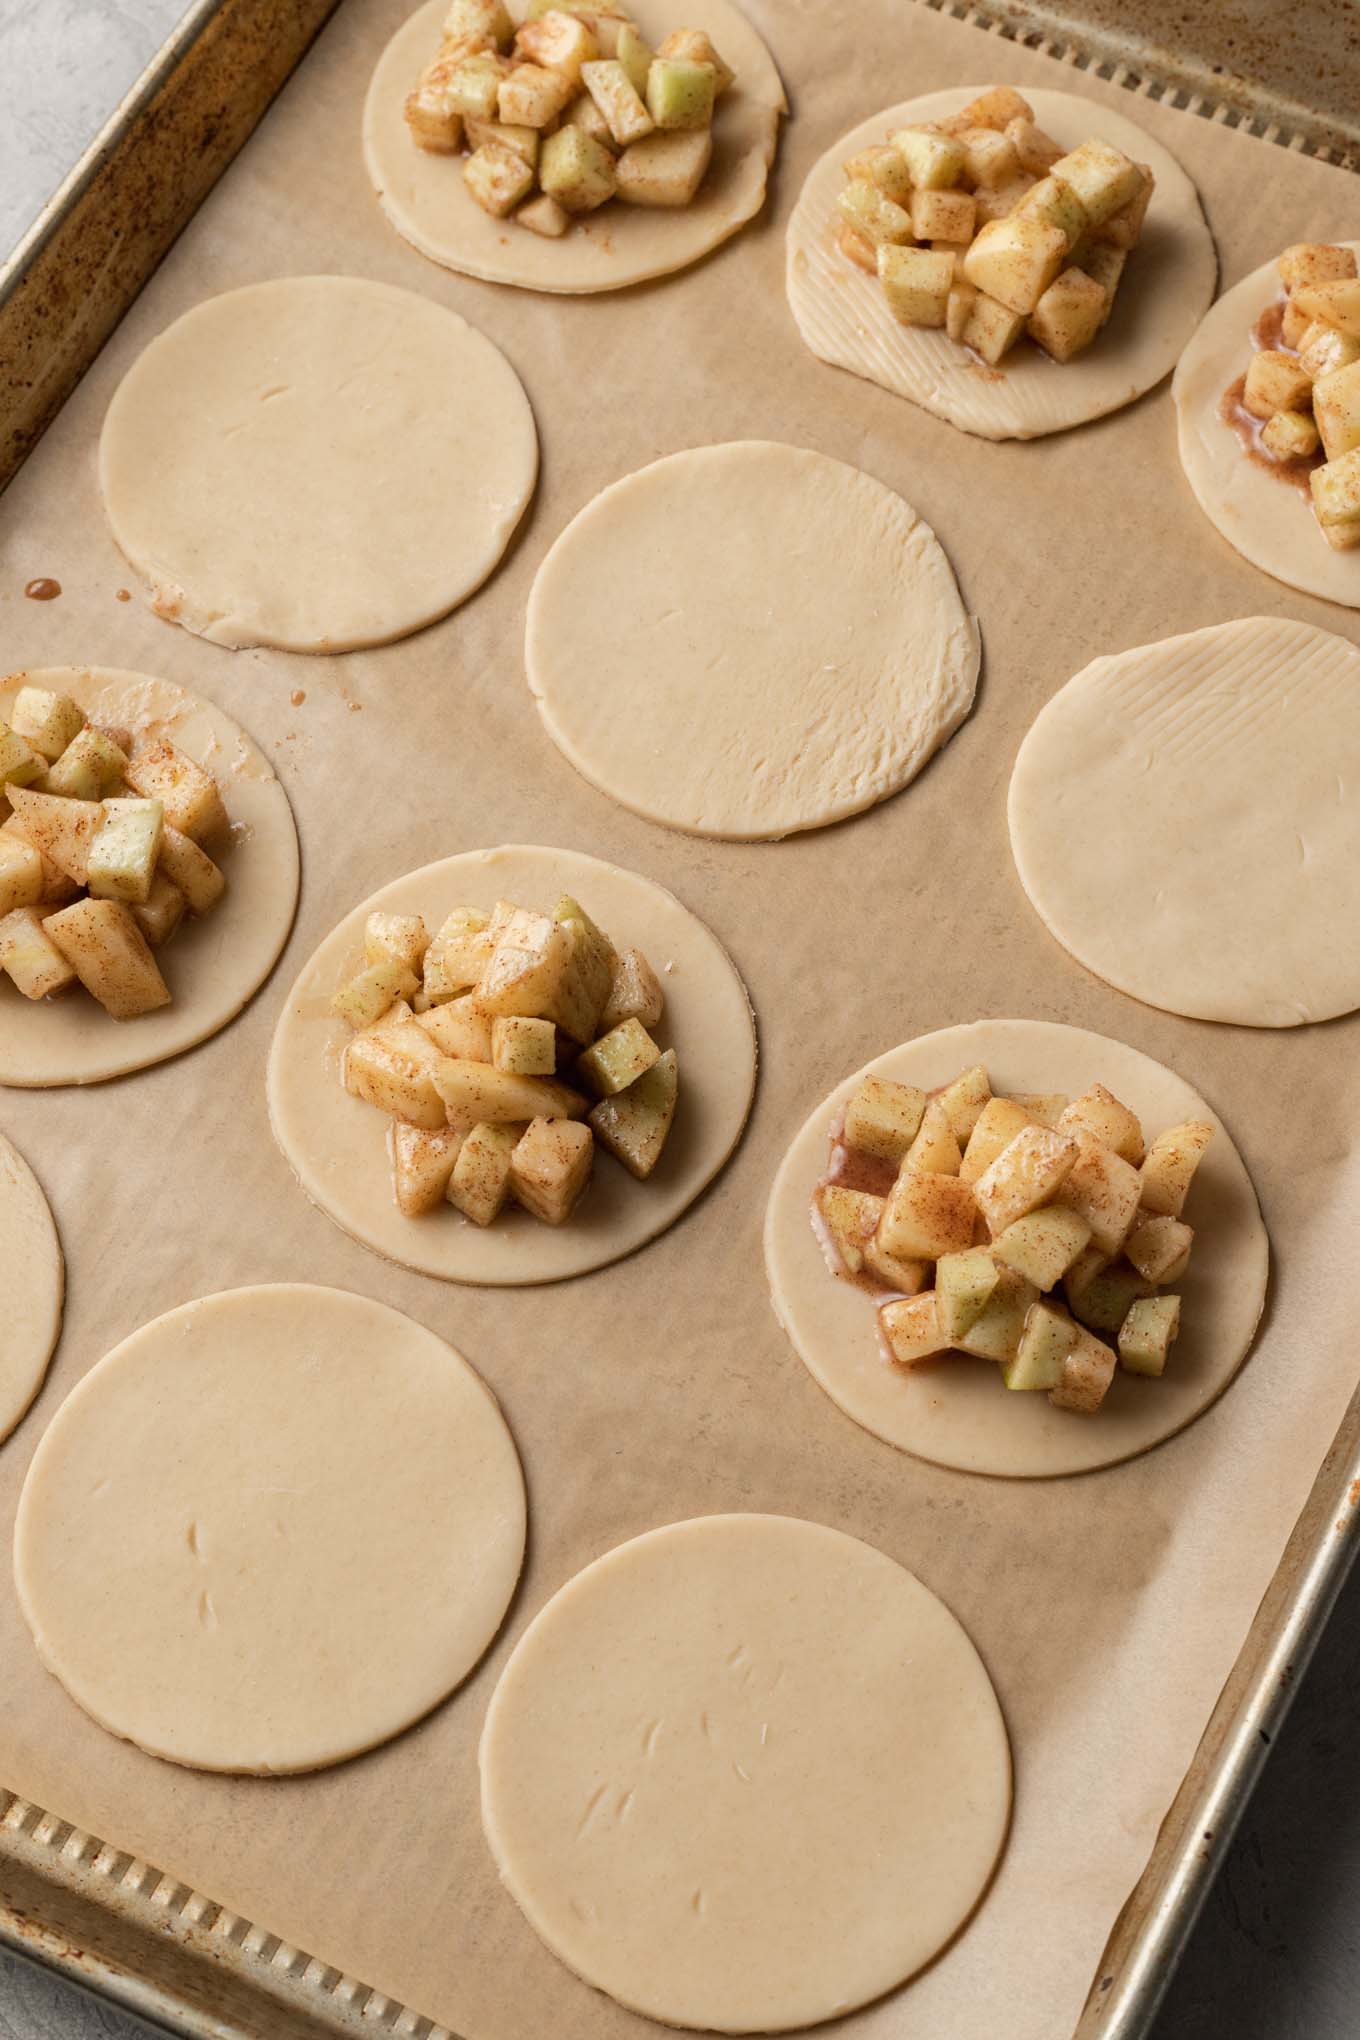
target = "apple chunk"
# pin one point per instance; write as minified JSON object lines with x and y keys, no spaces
{"x":21,"y":874}
{"x":882,"y":1118}
{"x":1170,"y":1166}
{"x":1029,"y":1171}
{"x":422,"y":1163}
{"x":1042,"y":1245}
{"x":1014,"y":260}
{"x":911,"y":1329}
{"x":479,"y":1184}
{"x":964,"y":1284}
{"x":109,"y":954}
{"x":996,"y":1331}
{"x":124,"y":849}
{"x":1104,"y":1190}
{"x":926,"y":1216}
{"x":29,"y":957}
{"x":1047,"y":1339}
{"x":1148,"y":1333}
{"x":664,"y":171}
{"x":850,"y":1218}
{"x":189,"y":796}
{"x":618,"y":1059}
{"x":473,"y":1092}
{"x":550,"y":1168}
{"x":48,"y":721}
{"x":393,"y":1068}
{"x":1088,"y":1370}
{"x":635,"y":1124}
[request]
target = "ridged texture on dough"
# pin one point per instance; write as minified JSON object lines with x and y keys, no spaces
{"x":1184,"y":817}
{"x":844,"y":318}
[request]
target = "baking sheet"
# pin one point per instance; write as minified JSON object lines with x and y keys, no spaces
{"x":1109,"y":1609}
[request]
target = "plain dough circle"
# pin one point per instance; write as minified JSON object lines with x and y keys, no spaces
{"x":745,"y":1773}
{"x":749,"y":639}
{"x":1269,"y":522}
{"x":958,"y":1413}
{"x":32,"y":1284}
{"x":316,"y":463}
{"x":213,"y":965}
{"x":844,"y":318}
{"x":270,"y":1530}
{"x":426,"y":200}
{"x":337,"y":1146}
{"x":1184,"y":819}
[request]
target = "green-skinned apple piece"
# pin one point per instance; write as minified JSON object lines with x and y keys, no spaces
{"x":964,"y":1284}
{"x":1042,"y":1245}
{"x":635,"y":1124}
{"x":1047,"y":1339}
{"x":996,"y":1332}
{"x":1148,"y":1334}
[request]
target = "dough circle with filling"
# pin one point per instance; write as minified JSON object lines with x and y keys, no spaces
{"x":316,"y":463}
{"x":212,"y":965}
{"x":1184,"y":819}
{"x":337,"y":1145}
{"x":749,"y":639}
{"x":745,"y":1773}
{"x":843,"y":315}
{"x":957,"y":1412}
{"x":32,"y":1284}
{"x":1269,"y":521}
{"x":426,"y":200}
{"x":269,"y":1530}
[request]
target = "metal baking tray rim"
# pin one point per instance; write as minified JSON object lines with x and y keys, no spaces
{"x":87,"y":1910}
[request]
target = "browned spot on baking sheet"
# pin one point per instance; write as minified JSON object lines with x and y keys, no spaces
{"x":44,"y":589}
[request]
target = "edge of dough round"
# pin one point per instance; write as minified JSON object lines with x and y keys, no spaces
{"x":346,"y":1172}
{"x":1267,"y":521}
{"x":33,"y":1280}
{"x":187,"y":1574}
{"x":423,"y":198}
{"x":1212,"y":845}
{"x":847,"y":1595}
{"x":843,"y":317}
{"x":76,"y":1040}
{"x":812,"y":785}
{"x":383,"y":549}
{"x":958,"y":1413}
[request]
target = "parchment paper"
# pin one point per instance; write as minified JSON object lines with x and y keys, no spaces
{"x":1108,"y":1608}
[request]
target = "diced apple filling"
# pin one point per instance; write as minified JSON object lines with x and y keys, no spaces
{"x":1083,"y":1218}
{"x":572,"y":109}
{"x":1305,"y":392}
{"x":495,"y":1034}
{"x":111,"y":815}
{"x":1035,"y":240}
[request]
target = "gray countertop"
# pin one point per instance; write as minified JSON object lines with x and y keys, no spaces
{"x":1277,"y":1953}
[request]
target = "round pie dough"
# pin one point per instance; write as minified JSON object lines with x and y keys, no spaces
{"x":787,"y":1795}
{"x":427,"y":201}
{"x":270,"y":1530}
{"x":1183,"y":819}
{"x":316,"y":463}
{"x":957,"y":1412}
{"x":747,"y":640}
{"x":213,"y":965}
{"x":1270,"y":522}
{"x":844,"y":318}
{"x":337,"y":1147}
{"x":32,"y":1283}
